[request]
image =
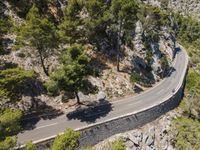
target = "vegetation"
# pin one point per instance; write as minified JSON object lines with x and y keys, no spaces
{"x":123,"y":14}
{"x":9,"y":126}
{"x":152,"y":24}
{"x":66,"y":141}
{"x":135,"y":77}
{"x":29,"y":146}
{"x":70,"y":30}
{"x":187,"y":133}
{"x":71,"y":76}
{"x":14,"y":81}
{"x":8,"y":143}
{"x":188,"y":30}
{"x":9,"y":122}
{"x":5,"y":24}
{"x":41,"y":34}
{"x":186,"y":129}
{"x":103,"y":25}
{"x":117,"y":145}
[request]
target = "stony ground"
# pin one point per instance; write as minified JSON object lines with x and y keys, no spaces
{"x":186,"y":7}
{"x":152,"y":136}
{"x":111,"y":83}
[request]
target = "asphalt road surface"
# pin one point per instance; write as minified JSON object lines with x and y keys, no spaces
{"x":45,"y":128}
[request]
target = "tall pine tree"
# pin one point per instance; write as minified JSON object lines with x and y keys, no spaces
{"x":124,"y":16}
{"x":41,"y":34}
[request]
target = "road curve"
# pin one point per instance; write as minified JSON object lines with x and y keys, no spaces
{"x":50,"y":127}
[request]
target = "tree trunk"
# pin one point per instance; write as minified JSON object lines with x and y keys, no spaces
{"x":77,"y":97}
{"x":42,"y":63}
{"x":119,"y":46}
{"x":118,"y":60}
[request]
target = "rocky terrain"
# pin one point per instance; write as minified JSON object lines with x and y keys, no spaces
{"x":153,"y":136}
{"x":145,"y":58}
{"x":191,"y":7}
{"x":112,"y":83}
{"x":186,"y":7}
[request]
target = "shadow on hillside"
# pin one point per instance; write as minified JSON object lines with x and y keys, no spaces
{"x":46,"y":112}
{"x":92,"y":112}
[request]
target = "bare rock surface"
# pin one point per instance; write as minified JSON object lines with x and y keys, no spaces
{"x":152,"y":136}
{"x":185,"y":7}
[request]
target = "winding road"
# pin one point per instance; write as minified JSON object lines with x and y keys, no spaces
{"x":47,"y":128}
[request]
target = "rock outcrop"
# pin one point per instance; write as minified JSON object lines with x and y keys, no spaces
{"x":186,"y":7}
{"x":153,"y":136}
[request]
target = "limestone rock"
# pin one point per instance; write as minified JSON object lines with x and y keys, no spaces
{"x":101,"y":95}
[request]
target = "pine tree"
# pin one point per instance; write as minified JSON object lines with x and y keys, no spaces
{"x":123,"y":20}
{"x":97,"y":20}
{"x":71,"y":76}
{"x":66,"y":141}
{"x":70,"y":30}
{"x":41,"y":34}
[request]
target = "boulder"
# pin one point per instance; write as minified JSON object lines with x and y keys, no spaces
{"x":101,"y":95}
{"x":150,"y":141}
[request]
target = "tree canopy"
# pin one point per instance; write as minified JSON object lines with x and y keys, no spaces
{"x":66,"y":141}
{"x":40,"y":33}
{"x":70,"y":77}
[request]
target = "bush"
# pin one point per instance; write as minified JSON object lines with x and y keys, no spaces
{"x":66,"y":141}
{"x":135,"y":77}
{"x":30,"y":146}
{"x":14,"y":81}
{"x":193,"y":83}
{"x":186,"y":134}
{"x":52,"y":87}
{"x":188,"y":30}
{"x":10,"y":122}
{"x":117,"y":145}
{"x":163,"y":61}
{"x":149,"y":56}
{"x":8,"y":143}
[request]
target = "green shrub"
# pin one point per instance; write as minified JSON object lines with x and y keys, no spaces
{"x":8,"y":143}
{"x":164,"y":61}
{"x":66,"y":141}
{"x":193,"y":83}
{"x":14,"y":81}
{"x":186,"y":134}
{"x":149,"y":56}
{"x":9,"y":122}
{"x":52,"y":87}
{"x":135,"y":77}
{"x":117,"y":145}
{"x":29,"y":146}
{"x":188,"y":30}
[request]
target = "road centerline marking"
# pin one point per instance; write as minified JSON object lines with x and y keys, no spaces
{"x":46,"y":126}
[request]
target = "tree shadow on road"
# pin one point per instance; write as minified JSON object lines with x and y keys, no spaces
{"x":90,"y":113}
{"x":29,"y":121}
{"x":170,"y":71}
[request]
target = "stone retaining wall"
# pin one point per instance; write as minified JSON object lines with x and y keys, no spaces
{"x":98,"y":132}
{"x":93,"y":135}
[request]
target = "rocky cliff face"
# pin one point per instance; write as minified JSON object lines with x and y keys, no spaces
{"x":153,"y":136}
{"x":191,"y":7}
